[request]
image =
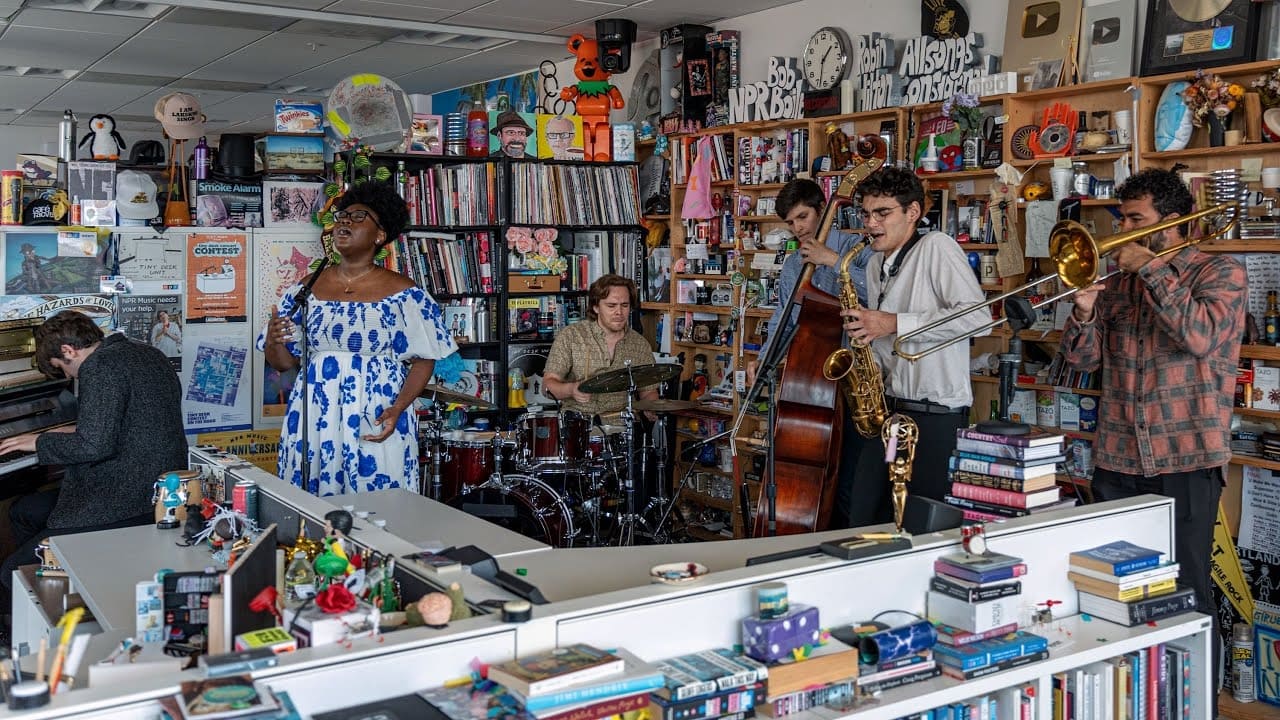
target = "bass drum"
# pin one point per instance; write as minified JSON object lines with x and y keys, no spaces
{"x":523,"y":504}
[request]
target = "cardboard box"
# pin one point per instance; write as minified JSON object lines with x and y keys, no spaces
{"x":774,"y":639}
{"x":314,"y":627}
{"x":1068,"y":411}
{"x":1266,"y":388}
{"x":38,"y":170}
{"x":293,"y":116}
{"x":235,"y":203}
{"x":1023,"y":407}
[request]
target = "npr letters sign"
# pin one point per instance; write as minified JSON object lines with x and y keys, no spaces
{"x":776,"y":99}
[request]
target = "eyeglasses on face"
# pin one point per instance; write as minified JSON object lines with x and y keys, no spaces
{"x":880,"y":214}
{"x":560,"y":135}
{"x":355,"y":216}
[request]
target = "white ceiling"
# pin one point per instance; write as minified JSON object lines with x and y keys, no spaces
{"x":119,"y":56}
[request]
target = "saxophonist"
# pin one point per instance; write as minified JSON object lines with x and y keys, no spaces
{"x":801,"y":204}
{"x":912,"y":279}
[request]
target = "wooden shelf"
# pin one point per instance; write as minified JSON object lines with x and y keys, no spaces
{"x":1209,"y":152}
{"x":1255,"y":462}
{"x":761,"y":186}
{"x":1257,"y":413}
{"x":703,"y":346}
{"x":1088,"y":157}
{"x":958,"y":175}
{"x":1260,"y":352}
{"x":665,"y":307}
{"x":1259,"y":245}
{"x":979,"y":247}
{"x":1058,"y":388}
{"x":759,"y":219}
{"x":713,"y":309}
{"x":703,"y":276}
{"x":1229,"y":709}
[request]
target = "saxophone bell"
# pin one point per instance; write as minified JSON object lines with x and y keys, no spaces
{"x":838,"y":364}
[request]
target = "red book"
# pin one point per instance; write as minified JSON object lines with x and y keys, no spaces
{"x":1007,"y":498}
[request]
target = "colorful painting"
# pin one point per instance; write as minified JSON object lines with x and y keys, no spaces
{"x":559,"y":137}
{"x":34,"y":264}
{"x":514,"y":92}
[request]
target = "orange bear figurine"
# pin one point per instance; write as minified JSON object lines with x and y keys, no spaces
{"x":594,"y":95}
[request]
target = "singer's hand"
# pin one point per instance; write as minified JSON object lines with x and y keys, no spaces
{"x":279,"y":330}
{"x":385,"y":423}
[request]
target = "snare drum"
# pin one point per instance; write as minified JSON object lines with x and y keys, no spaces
{"x":551,"y":437}
{"x":466,"y":462}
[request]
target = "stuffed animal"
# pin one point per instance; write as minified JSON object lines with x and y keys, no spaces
{"x":104,"y":142}
{"x":594,"y":95}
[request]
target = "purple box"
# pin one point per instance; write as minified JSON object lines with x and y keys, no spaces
{"x":772,"y":640}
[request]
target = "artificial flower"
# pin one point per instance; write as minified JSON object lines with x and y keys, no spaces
{"x":962,"y":109}
{"x":1209,"y":93}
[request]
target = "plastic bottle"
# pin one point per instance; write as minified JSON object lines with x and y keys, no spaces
{"x":1243,"y":689}
{"x":67,"y":137}
{"x":477,"y":131}
{"x":299,"y":579}
{"x":202,"y":161}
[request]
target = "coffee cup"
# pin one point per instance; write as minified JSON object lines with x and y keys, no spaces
{"x":1124,"y":126}
{"x":1062,"y":180}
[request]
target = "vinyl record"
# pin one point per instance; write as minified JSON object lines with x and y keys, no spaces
{"x":1198,"y":10}
{"x":1054,"y":138}
{"x":871,"y":146}
{"x":1020,"y":142}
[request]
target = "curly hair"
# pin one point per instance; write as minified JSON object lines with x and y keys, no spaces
{"x":799,"y":192}
{"x":66,"y":328}
{"x":600,"y":290}
{"x":1168,"y":193}
{"x":895,"y":182}
{"x":388,"y":207}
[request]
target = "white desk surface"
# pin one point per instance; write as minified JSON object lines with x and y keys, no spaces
{"x":104,"y":566}
{"x":420,"y":521}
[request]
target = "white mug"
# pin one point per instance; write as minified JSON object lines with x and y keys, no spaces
{"x":1124,"y":125}
{"x":1271,"y":178}
{"x":1062,"y":179}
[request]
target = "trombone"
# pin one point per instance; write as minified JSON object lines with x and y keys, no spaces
{"x":1078,"y":257}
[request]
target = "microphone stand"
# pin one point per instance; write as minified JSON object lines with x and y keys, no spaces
{"x":684,"y":481}
{"x":1019,"y":314}
{"x":302,"y":304}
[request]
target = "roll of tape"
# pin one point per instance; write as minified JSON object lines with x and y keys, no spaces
{"x":28,"y":694}
{"x":517,"y":611}
{"x":771,"y":601}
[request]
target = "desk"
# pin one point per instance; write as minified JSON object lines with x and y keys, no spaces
{"x":104,"y":566}
{"x":419,"y":520}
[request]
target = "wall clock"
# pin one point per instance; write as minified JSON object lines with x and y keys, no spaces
{"x":826,"y":57}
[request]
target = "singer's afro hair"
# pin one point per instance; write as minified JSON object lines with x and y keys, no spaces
{"x":380,"y":197}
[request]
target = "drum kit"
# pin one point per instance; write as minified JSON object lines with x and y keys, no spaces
{"x":561,"y":476}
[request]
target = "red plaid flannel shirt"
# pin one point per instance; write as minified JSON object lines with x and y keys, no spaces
{"x":1168,"y":340}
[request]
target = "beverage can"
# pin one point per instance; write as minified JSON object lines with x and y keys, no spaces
{"x":244,"y":499}
{"x":1243,"y":687}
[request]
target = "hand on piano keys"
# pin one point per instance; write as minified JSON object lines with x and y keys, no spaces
{"x":26,"y":442}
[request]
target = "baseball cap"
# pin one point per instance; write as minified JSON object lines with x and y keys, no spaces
{"x":39,"y":212}
{"x":180,"y":115}
{"x":136,"y":196}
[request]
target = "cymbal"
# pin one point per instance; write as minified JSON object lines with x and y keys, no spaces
{"x":437,"y":393}
{"x":662,"y":405}
{"x":619,"y":380}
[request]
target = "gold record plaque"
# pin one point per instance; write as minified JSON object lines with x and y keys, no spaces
{"x":1189,"y":34}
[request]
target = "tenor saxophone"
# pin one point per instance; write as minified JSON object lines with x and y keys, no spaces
{"x":863,"y":386}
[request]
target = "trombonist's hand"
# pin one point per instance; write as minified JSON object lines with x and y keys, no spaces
{"x":1084,"y":300}
{"x":1131,"y":257}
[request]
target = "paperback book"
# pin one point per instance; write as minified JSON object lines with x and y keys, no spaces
{"x":971,"y":591}
{"x":1118,"y":558}
{"x":555,"y":669}
{"x":1137,"y":612}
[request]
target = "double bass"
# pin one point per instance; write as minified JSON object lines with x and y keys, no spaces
{"x":809,"y":408}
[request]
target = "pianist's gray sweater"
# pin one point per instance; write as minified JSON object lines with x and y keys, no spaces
{"x":128,"y":432}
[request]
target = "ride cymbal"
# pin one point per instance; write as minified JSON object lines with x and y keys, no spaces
{"x":621,"y":379}
{"x":436,"y":393}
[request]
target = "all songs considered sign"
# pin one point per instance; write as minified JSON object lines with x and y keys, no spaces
{"x":217,"y":277}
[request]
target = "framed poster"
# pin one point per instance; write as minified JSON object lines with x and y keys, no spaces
{"x":1185,"y":35}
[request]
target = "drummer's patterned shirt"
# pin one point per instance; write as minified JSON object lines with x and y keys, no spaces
{"x":581,"y":352}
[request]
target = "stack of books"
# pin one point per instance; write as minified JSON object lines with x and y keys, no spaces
{"x":975,"y":594}
{"x":578,"y":682}
{"x":993,"y":655}
{"x":706,"y":685}
{"x":825,"y":676}
{"x":1128,"y":584}
{"x":918,"y":666}
{"x":1001,"y":476}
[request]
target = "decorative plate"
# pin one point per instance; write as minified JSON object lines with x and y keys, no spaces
{"x":1020,"y":142}
{"x":1054,"y":139}
{"x":368,"y":109}
{"x":677,"y":573}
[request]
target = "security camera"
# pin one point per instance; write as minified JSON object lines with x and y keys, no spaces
{"x":614,"y":37}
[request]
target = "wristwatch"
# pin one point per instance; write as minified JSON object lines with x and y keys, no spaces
{"x":974,"y":539}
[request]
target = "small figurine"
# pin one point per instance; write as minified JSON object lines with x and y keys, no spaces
{"x":435,"y":609}
{"x":458,"y":603}
{"x":104,"y":142}
{"x":337,"y":523}
{"x":594,"y":95}
{"x":171,"y":493}
{"x":838,"y":147}
{"x":331,"y":564}
{"x":646,"y":130}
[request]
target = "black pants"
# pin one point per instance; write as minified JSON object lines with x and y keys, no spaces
{"x":1195,"y":510}
{"x":871,"y":501}
{"x":29,"y":517}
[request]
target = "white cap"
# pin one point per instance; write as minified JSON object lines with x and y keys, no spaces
{"x":180,"y":115}
{"x":136,"y":196}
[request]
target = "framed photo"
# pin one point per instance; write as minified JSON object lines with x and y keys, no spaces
{"x":1107,"y":35}
{"x":699,"y":77}
{"x":1036,"y":31}
{"x":424,"y":135}
{"x":1184,"y":35}
{"x":291,"y":204}
{"x":1048,"y":74}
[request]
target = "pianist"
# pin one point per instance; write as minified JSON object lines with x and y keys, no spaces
{"x":128,"y":431}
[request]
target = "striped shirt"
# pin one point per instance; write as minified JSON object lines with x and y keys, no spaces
{"x":581,"y":351}
{"x":1168,"y":340}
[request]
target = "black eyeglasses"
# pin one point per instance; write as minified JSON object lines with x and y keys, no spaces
{"x":560,"y":135}
{"x":355,"y":216}
{"x":880,"y":214}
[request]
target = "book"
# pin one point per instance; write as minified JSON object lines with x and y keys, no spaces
{"x":400,"y":706}
{"x":594,"y":709}
{"x":1024,"y":500}
{"x":988,"y":508}
{"x":637,"y":676}
{"x":735,"y":700}
{"x":926,"y":671}
{"x":1006,"y":483}
{"x":707,"y":672}
{"x":994,"y":668}
{"x":828,"y":663}
{"x":1159,"y":572}
{"x":991,"y":651}
{"x":952,"y":635}
{"x":1123,"y":594}
{"x":1138,"y":611}
{"x":460,"y":702}
{"x":1008,"y":452}
{"x":228,"y":696}
{"x":555,"y":669}
{"x":1118,"y":558}
{"x":971,"y":591}
{"x":1037,"y":437}
{"x":1004,"y":467}
{"x":984,"y":576}
{"x":879,"y":675}
{"x":816,"y":698}
{"x":974,"y":617}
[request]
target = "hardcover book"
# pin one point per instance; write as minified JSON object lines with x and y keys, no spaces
{"x":980,"y":563}
{"x":993,"y":668}
{"x":1136,"y":612}
{"x":1118,"y":558}
{"x":1035,"y":438}
{"x":985,"y":576}
{"x":952,"y":635}
{"x":224,"y":697}
{"x":971,"y":591}
{"x":1122,"y":593}
{"x":555,"y":669}
{"x":736,"y":700}
{"x":706,"y":672}
{"x":637,"y":676}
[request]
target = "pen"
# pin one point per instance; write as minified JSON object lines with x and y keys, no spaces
{"x":69,"y":620}
{"x":878,"y":536}
{"x":78,"y":646}
{"x":51,"y":573}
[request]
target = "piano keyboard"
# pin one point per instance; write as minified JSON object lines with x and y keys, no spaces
{"x":14,"y":461}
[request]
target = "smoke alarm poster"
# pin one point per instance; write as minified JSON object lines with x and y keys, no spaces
{"x":217,"y":277}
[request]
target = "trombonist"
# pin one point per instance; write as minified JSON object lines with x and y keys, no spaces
{"x":912,"y":280}
{"x":1166,"y":334}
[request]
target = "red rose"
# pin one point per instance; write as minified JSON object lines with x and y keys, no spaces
{"x":336,"y":599}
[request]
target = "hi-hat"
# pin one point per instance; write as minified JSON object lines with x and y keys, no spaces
{"x":620,"y":380}
{"x":662,"y":405}
{"x":436,"y":393}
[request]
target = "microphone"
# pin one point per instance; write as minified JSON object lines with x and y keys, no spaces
{"x":305,"y":292}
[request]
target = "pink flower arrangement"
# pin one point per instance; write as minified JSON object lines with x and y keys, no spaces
{"x":537,"y":249}
{"x":1209,"y":93}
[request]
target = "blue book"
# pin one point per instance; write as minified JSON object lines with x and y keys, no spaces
{"x":637,"y":676}
{"x":1117,"y":558}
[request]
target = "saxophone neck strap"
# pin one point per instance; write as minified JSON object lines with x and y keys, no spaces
{"x":887,"y":273}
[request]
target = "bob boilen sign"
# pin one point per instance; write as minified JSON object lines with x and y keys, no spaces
{"x":926,"y":70}
{"x":777,"y":98}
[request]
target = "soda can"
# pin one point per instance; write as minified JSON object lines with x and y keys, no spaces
{"x":244,"y":499}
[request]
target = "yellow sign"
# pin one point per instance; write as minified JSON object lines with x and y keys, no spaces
{"x":1227,"y":573}
{"x":259,"y":447}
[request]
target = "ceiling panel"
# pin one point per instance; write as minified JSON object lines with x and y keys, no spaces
{"x":59,"y":49}
{"x":82,"y":21}
{"x":450,"y":5}
{"x":503,"y":22}
{"x":280,"y":55}
{"x":378,"y":58}
{"x":342,"y":30}
{"x":23,"y":92}
{"x":92,"y":98}
{"x":214,"y":18}
{"x":302,"y":4}
{"x":169,"y":46}
{"x":562,"y":10}
{"x":399,"y":11}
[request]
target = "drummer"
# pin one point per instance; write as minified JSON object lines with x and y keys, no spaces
{"x":603,"y":342}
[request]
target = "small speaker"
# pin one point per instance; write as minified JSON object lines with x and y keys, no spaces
{"x":923,"y":515}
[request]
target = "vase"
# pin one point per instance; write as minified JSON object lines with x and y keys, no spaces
{"x":1218,"y":127}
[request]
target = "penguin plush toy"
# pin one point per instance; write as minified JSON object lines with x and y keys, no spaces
{"x":104,"y":142}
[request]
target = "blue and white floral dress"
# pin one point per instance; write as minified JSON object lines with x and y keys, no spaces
{"x":359,"y":359}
